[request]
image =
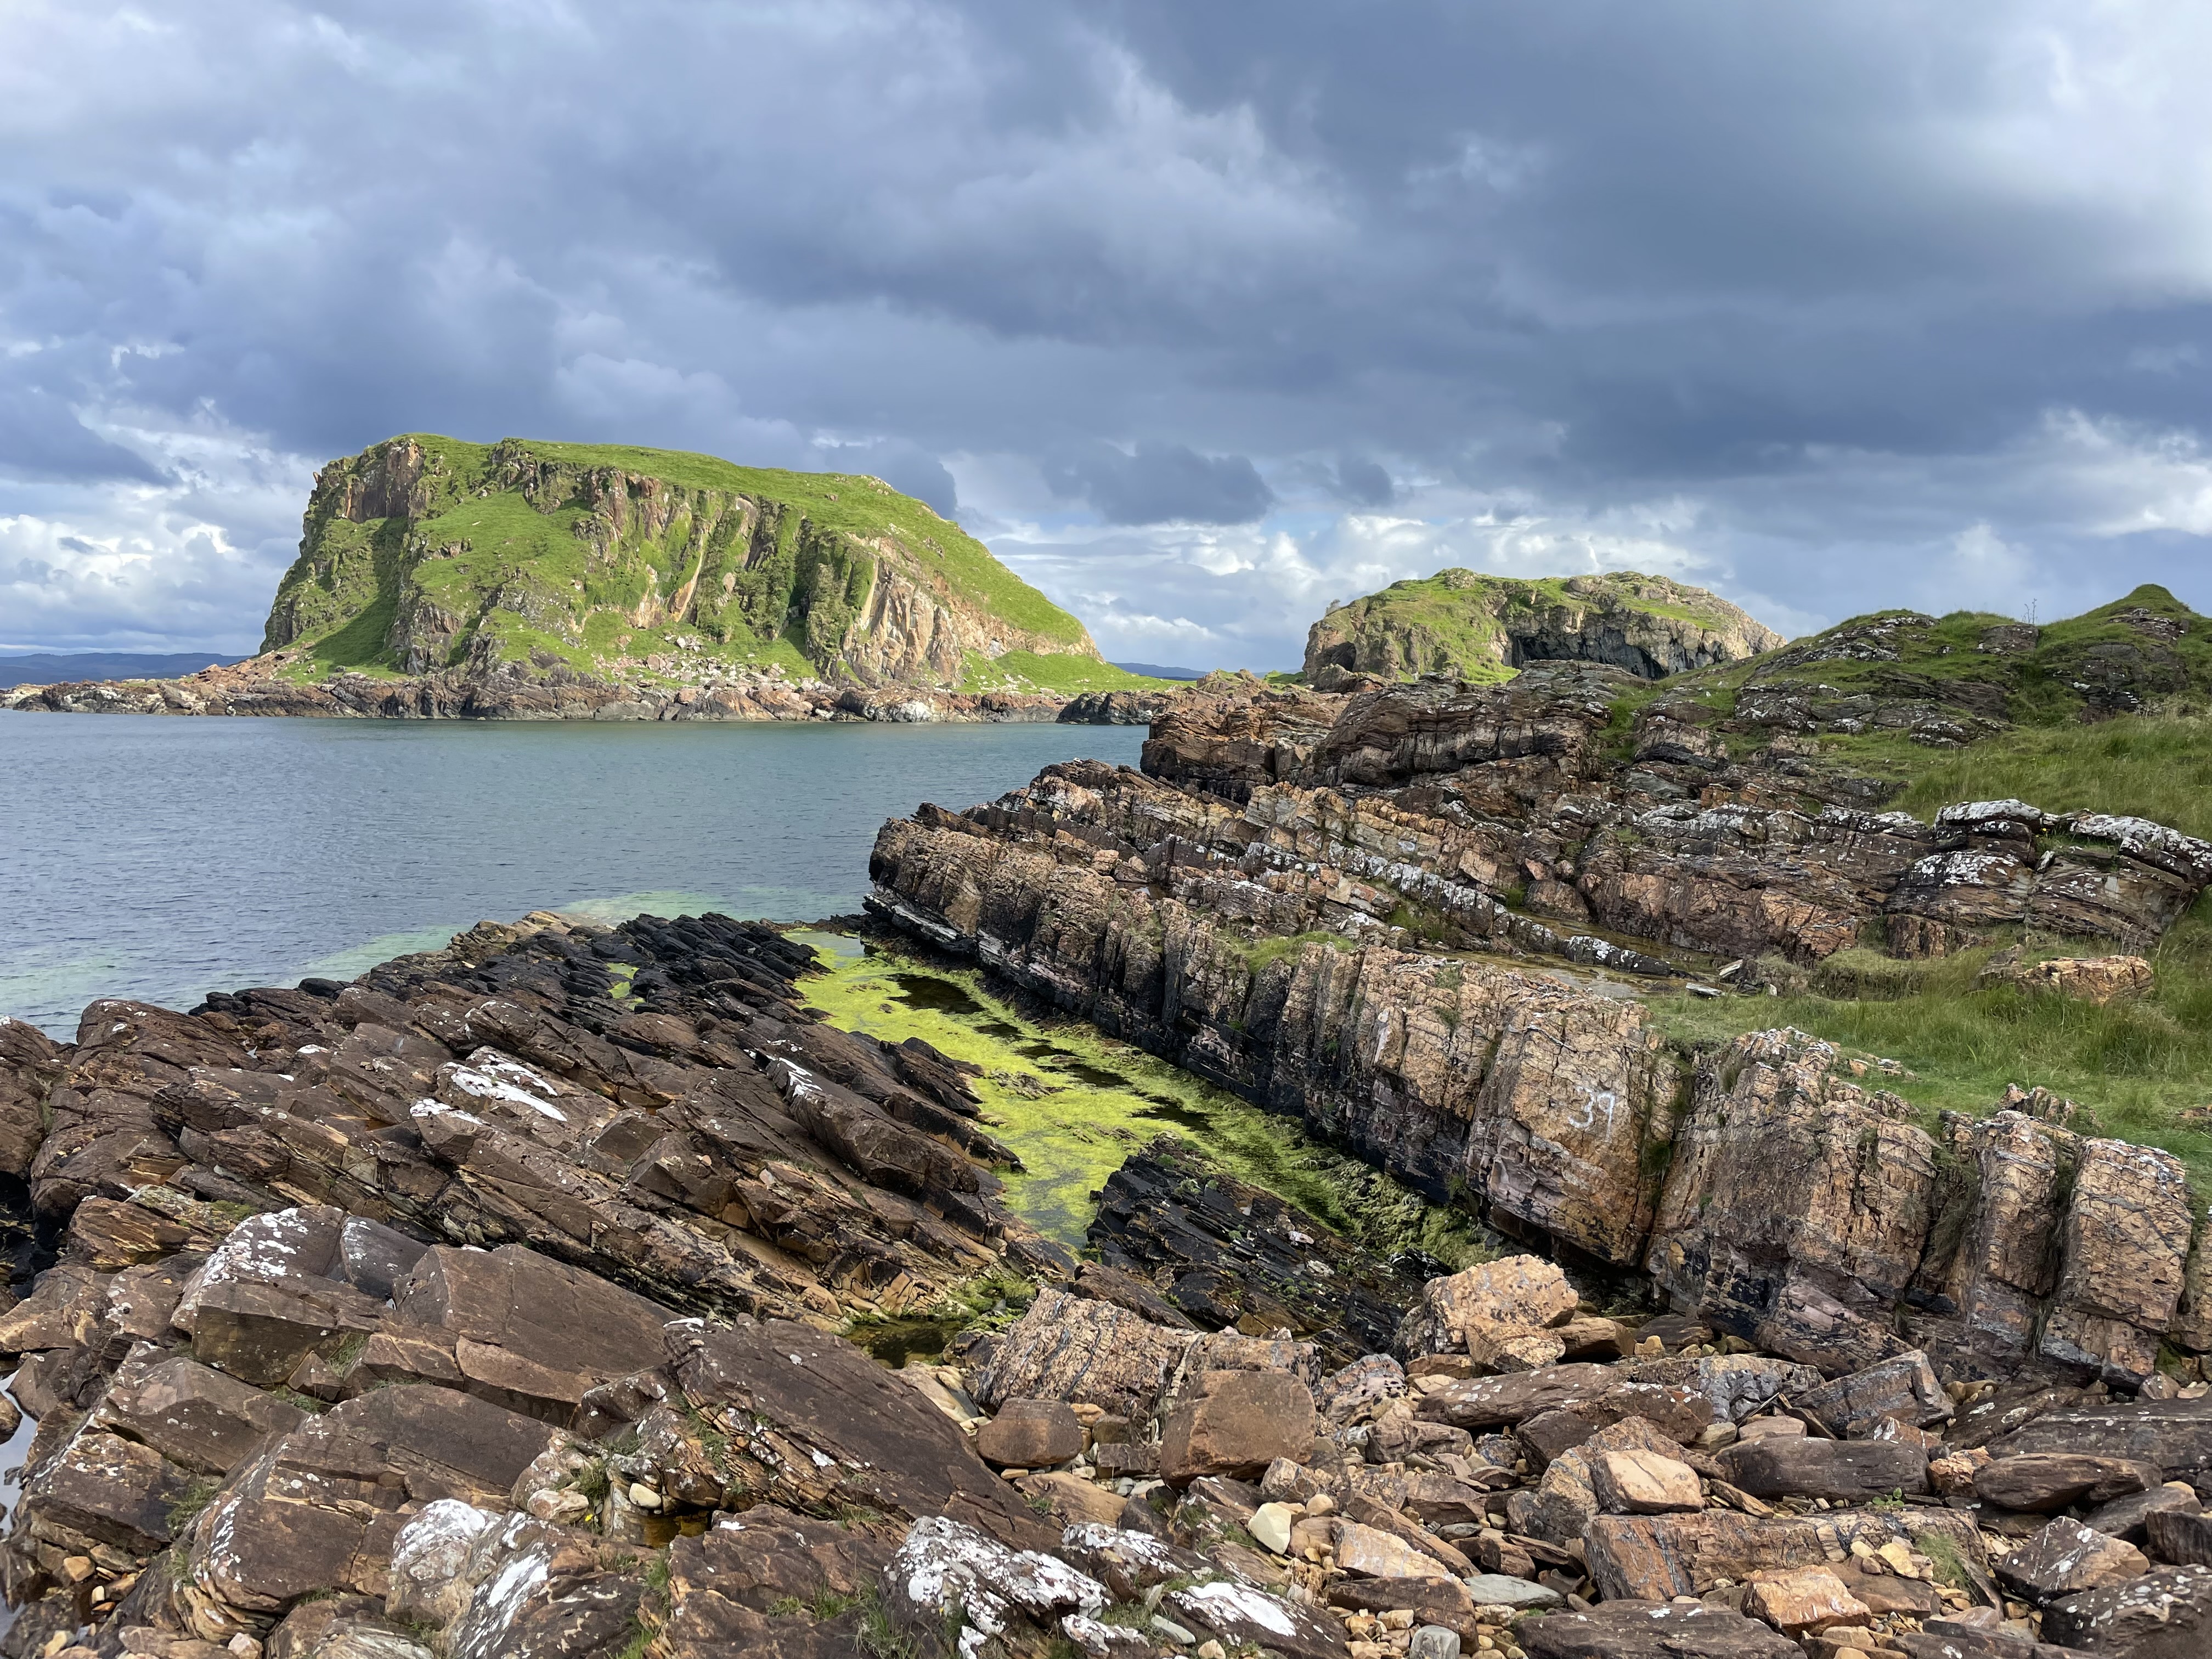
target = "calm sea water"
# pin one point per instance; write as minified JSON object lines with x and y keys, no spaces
{"x":162,"y":859}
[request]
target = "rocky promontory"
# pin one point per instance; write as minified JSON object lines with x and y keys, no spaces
{"x":1481,"y":628}
{"x":439,"y":579}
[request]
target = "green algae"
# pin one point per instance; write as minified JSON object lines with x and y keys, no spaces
{"x":1073,"y":1104}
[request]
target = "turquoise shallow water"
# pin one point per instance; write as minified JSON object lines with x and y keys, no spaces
{"x":162,"y":859}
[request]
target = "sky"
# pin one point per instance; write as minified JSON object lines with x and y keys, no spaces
{"x":1200,"y":316}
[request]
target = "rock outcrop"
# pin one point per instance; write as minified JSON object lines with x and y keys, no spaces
{"x":483,"y":1306}
{"x":1474,"y":626}
{"x":1316,"y":902}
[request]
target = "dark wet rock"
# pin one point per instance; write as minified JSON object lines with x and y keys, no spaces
{"x":1230,"y":1255}
{"x":2174,"y":1435}
{"x":1646,"y":1629}
{"x":2066,"y":1557}
{"x":2179,"y":1537}
{"x":1841,"y":1471}
{"x":2164,"y":1614}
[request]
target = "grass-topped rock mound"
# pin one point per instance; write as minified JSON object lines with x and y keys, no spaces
{"x":1484,"y":628}
{"x":423,"y":553}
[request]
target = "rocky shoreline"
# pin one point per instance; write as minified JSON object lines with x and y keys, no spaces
{"x":485,"y":1305}
{"x":511,"y":692}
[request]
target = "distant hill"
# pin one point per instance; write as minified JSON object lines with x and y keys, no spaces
{"x":424,"y":553}
{"x":50,"y":668}
{"x":1485,"y":629}
{"x":1153,"y":671}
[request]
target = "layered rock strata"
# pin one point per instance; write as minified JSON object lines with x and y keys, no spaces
{"x":1264,"y":905}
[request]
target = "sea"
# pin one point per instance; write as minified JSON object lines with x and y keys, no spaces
{"x":160,"y":859}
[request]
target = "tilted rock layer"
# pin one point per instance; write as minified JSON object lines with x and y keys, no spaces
{"x":1255,"y":903}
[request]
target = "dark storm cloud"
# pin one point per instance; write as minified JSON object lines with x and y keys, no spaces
{"x":1364,"y":482}
{"x":1831,"y":305}
{"x":1160,"y":483}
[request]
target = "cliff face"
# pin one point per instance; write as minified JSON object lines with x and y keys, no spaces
{"x":1483,"y":628}
{"x":423,"y":553}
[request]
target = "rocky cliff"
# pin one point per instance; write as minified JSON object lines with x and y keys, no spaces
{"x":1480,"y":629}
{"x":424,"y":553}
{"x":1418,"y":918}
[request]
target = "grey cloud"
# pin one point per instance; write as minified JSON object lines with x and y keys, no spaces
{"x":1364,"y":482}
{"x":1804,"y":290}
{"x":1159,"y":483}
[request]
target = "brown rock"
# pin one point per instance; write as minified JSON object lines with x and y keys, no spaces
{"x":1803,"y":1601}
{"x":2066,"y":1557}
{"x":2100,"y":980}
{"x":1662,"y":1556}
{"x":1432,"y":1601}
{"x":1236,"y":1423}
{"x":1564,"y":1502}
{"x":2129,"y":1517}
{"x":814,"y":1423}
{"x":1063,"y":1347}
{"x":1518,"y":1293}
{"x":1643,"y":1483}
{"x":1490,"y":1402}
{"x":196,"y":1418}
{"x":2175,"y":1435}
{"x":2125,"y":1243}
{"x":1031,"y":1434}
{"x":1371,"y":1553}
{"x":1840,"y":1470}
{"x":2045,"y":1481}
{"x":1071,"y":1498}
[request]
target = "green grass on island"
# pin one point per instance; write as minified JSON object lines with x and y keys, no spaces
{"x":513,"y":576}
{"x":1073,"y":1104}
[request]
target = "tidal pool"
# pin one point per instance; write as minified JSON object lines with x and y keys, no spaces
{"x":1074,"y":1103}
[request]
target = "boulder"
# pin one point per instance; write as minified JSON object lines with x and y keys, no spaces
{"x":2065,"y":1557}
{"x":1031,"y":1434}
{"x":2179,"y":1538}
{"x":2046,"y":1481}
{"x":1658,"y":1557}
{"x":1643,"y":1483}
{"x":2164,"y":1614}
{"x":2100,"y":980}
{"x":2175,"y":1435}
{"x":1653,"y":1630}
{"x":1516,"y":1295}
{"x":1802,"y":1601}
{"x":1564,"y":1501}
{"x":1490,"y":1402}
{"x":1431,"y":1601}
{"x":196,"y":1418}
{"x":1903,"y":1389}
{"x":1093,"y":1353}
{"x":2129,"y":1517}
{"x":1369,"y":1551}
{"x":1841,"y":1471}
{"x":1236,"y":1423}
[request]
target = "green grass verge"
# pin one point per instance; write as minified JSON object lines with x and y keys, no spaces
{"x":1027,"y":671}
{"x":2136,"y":1067}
